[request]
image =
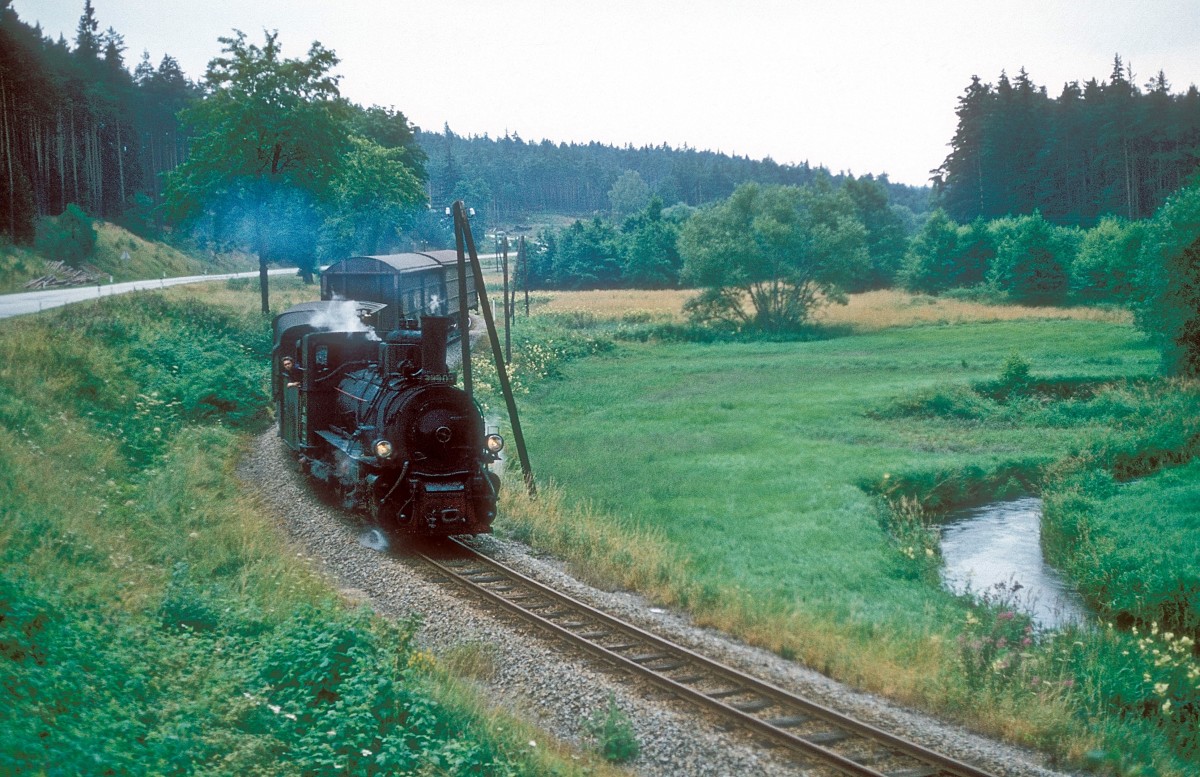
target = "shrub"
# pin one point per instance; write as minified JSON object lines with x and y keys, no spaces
{"x":613,"y":733}
{"x":69,"y":238}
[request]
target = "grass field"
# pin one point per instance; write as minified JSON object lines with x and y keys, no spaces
{"x":745,"y":481}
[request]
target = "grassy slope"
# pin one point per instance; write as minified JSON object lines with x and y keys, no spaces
{"x":124,"y":256}
{"x":151,"y":621}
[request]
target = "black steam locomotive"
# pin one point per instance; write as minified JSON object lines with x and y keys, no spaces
{"x":381,"y":420}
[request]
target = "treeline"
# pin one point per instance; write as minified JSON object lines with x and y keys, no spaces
{"x":1151,"y":266}
{"x":1106,"y":147}
{"x":78,"y":127}
{"x":508,"y":178}
{"x":641,"y":250}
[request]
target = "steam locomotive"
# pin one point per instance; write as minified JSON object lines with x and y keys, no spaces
{"x":381,"y":421}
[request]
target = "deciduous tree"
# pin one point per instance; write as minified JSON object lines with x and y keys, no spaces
{"x":266,"y":125}
{"x":769,"y":255}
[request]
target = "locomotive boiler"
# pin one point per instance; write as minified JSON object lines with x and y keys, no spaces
{"x":381,"y":420}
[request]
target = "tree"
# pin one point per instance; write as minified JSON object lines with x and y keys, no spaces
{"x":932,"y":262}
{"x":650,"y":249}
{"x":375,"y":196}
{"x":1105,"y":269}
{"x":267,"y":128}
{"x":769,"y":255}
{"x":886,"y":241}
{"x":628,"y":195}
{"x":87,"y":33}
{"x":1032,"y":260}
{"x":976,"y":252}
{"x":1170,"y":278}
{"x":390,"y":128}
{"x":587,"y":256}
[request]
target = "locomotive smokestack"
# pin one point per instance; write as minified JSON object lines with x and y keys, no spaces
{"x":434,"y":331}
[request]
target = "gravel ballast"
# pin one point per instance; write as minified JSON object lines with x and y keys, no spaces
{"x":558,"y":688}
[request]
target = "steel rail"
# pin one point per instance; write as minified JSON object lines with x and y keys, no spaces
{"x":664,"y":657}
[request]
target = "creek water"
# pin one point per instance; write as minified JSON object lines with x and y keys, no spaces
{"x":994,"y":549}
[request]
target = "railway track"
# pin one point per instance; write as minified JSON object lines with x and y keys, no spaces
{"x":821,"y":735}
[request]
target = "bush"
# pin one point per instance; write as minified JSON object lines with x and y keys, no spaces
{"x":69,"y":238}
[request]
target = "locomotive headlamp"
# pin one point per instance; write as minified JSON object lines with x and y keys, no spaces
{"x":495,"y":443}
{"x":383,"y":449}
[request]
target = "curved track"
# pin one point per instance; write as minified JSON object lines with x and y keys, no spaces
{"x":822,"y":735}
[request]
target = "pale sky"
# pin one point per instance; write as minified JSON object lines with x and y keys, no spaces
{"x":861,"y":86}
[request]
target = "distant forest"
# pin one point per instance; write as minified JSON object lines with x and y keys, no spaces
{"x":516,"y":178}
{"x":79,"y":125}
{"x":1102,"y":148}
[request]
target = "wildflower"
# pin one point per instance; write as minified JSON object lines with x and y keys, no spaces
{"x":1166,"y":707}
{"x":289,"y":716}
{"x":365,"y":752}
{"x":1007,"y":615}
{"x":532,"y":743}
{"x":1161,"y":688}
{"x":275,"y":708}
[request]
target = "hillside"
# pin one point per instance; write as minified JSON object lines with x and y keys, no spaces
{"x":117,"y":255}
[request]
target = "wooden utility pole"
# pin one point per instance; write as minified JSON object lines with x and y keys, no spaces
{"x":523,"y":264}
{"x":507,"y":308}
{"x":464,"y":239}
{"x":462,"y":227}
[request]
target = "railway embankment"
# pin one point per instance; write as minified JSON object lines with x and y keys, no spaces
{"x":152,"y":618}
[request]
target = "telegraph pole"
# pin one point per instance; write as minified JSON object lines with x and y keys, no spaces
{"x":467,"y":253}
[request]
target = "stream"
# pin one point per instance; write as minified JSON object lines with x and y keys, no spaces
{"x":995,"y":551}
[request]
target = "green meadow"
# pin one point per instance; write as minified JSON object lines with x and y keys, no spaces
{"x":788,"y":492}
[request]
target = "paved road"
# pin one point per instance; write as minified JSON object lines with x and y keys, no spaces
{"x":36,"y":301}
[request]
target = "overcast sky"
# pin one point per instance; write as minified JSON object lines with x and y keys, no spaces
{"x":863,"y":86}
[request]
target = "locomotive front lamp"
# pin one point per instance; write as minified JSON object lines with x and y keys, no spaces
{"x":383,"y":449}
{"x":495,"y":443}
